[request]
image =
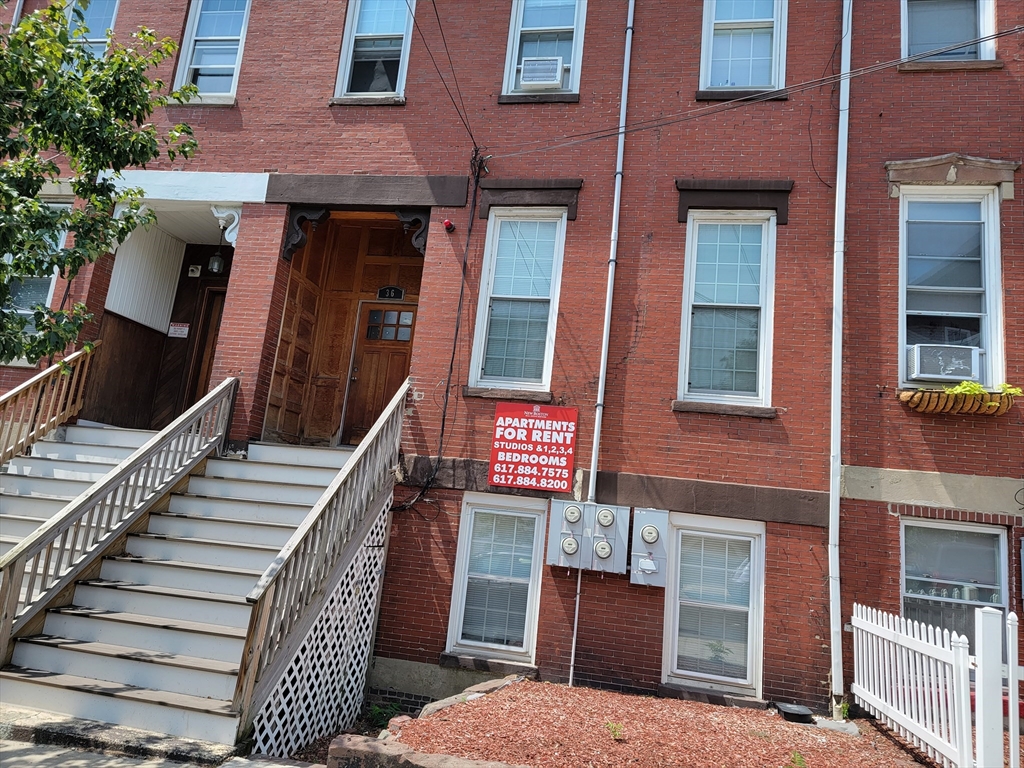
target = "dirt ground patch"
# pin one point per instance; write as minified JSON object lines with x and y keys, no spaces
{"x":542,"y":724}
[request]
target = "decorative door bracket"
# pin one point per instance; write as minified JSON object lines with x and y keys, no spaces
{"x":295,"y":237}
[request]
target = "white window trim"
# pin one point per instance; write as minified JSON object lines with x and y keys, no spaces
{"x":347,"y":47}
{"x":187,"y":51}
{"x":990,"y":530}
{"x":471,"y":502}
{"x":498,"y":214}
{"x":993,"y":358}
{"x":765,"y":341}
{"x":778,"y":50}
{"x":94,"y":36}
{"x":718,"y":526}
{"x":512,"y":52}
{"x":986,"y":26}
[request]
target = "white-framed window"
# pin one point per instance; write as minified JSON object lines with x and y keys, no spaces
{"x":949,"y":569}
{"x":211,"y":53}
{"x":545,"y":46}
{"x":496,"y":592}
{"x":375,"y":50}
{"x":714,"y":603}
{"x":950,"y":281}
{"x":931,"y":24}
{"x":725,"y":350}
{"x":97,"y":19}
{"x":29,"y":292}
{"x":744,"y":44}
{"x":514,"y":343}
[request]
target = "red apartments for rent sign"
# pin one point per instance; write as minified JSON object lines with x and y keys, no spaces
{"x":533,"y":447}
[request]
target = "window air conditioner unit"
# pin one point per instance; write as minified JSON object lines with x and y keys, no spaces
{"x":943,"y":362}
{"x":541,"y":72}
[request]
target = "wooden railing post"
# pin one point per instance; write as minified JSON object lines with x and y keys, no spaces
{"x":10,"y":593}
{"x":248,"y":670}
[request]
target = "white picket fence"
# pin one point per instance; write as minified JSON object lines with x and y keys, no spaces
{"x":917,"y":679}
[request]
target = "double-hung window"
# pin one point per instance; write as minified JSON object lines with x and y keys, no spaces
{"x":95,"y":20}
{"x":951,"y":569}
{"x":930,"y":25}
{"x":950,"y":278}
{"x":727,"y":309}
{"x":375,"y":52}
{"x":545,"y":46}
{"x":744,"y":45}
{"x":27,"y":293}
{"x":515,"y":327}
{"x":497,"y":577}
{"x":212,"y":51}
{"x":714,"y":603}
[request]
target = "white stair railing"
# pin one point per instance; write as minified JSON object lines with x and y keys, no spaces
{"x":50,"y":559}
{"x":299,"y":575}
{"x":44,"y":402}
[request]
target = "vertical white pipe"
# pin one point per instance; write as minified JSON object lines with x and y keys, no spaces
{"x":17,"y":13}
{"x":603,"y":379}
{"x":836,"y":399}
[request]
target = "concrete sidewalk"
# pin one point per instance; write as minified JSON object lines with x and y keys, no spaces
{"x":22,"y":754}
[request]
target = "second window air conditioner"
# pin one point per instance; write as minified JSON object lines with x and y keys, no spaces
{"x":541,"y":72}
{"x":943,"y":362}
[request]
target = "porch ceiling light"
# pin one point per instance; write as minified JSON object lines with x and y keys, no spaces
{"x":216,"y":263}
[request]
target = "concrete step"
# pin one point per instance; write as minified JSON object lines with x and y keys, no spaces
{"x":103,"y":454}
{"x":220,"y":529}
{"x":167,"y":602}
{"x":161,"y":711}
{"x":20,"y":485}
{"x":161,"y":573}
{"x":300,"y":456}
{"x":253,"y":490}
{"x":282,"y":513}
{"x":254,"y":557}
{"x":40,"y":507}
{"x":142,"y":668}
{"x":270,"y":473}
{"x":108,"y":436}
{"x":36,"y":466}
{"x":173,"y":636}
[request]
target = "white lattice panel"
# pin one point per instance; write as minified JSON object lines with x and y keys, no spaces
{"x":322,"y":690}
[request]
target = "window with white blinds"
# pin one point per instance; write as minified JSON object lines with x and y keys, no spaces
{"x":519,"y":292}
{"x":497,"y":577}
{"x":934,"y":25}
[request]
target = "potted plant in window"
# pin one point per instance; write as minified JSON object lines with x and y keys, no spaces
{"x":967,"y":397}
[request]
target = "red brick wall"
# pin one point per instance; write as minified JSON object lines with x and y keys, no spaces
{"x":253,"y":309}
{"x":900,"y":116}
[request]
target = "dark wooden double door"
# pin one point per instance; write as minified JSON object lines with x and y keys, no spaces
{"x":343,"y":353}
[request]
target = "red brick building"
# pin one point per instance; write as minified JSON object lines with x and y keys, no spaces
{"x":435,"y":195}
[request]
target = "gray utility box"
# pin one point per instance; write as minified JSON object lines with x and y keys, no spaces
{"x":649,"y":555}
{"x":593,"y":537}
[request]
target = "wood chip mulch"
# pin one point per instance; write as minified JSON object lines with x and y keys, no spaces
{"x":542,"y":724}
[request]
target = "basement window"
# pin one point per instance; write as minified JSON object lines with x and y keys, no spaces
{"x":375,"y":51}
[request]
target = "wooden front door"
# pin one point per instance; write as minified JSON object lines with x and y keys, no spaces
{"x":379,"y":366}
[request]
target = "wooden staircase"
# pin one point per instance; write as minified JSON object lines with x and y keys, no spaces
{"x":156,"y":641}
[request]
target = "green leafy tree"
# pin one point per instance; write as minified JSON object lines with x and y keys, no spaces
{"x":69,"y":115}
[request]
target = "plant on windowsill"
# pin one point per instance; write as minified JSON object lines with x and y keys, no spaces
{"x":966,"y":398}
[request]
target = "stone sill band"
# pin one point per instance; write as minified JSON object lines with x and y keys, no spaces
{"x":367,"y":101}
{"x":539,"y":98}
{"x":524,"y":395}
{"x":728,"y":409}
{"x":950,"y":66}
{"x":493,"y":666}
{"x":752,"y":95}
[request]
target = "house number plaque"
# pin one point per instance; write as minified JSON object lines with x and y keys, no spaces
{"x":390,"y":293}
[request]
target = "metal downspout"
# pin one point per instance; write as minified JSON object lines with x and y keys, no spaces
{"x":836,"y":399}
{"x":599,"y":406}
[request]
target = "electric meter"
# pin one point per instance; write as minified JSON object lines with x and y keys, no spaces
{"x":649,"y":534}
{"x":570,"y":546}
{"x":572,"y":514}
{"x":605,"y":517}
{"x":603,"y":549}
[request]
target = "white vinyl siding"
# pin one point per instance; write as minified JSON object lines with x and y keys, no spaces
{"x":950,"y":275}
{"x":949,"y":570}
{"x":212,"y":52}
{"x":375,"y":50}
{"x":497,"y":582}
{"x":514,"y":342}
{"x":933,"y":24}
{"x":98,"y":17}
{"x":727,"y":323}
{"x":145,"y":278}
{"x":744,"y":44}
{"x":546,"y":28}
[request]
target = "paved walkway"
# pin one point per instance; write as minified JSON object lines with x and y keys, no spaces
{"x":21,"y":754}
